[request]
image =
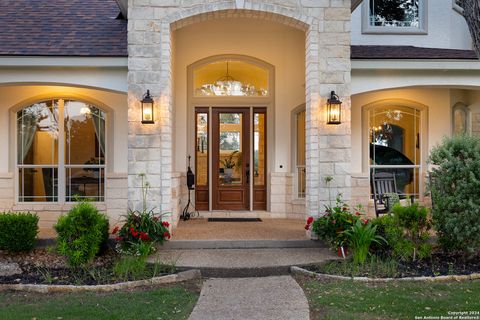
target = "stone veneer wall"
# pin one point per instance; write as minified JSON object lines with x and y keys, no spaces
{"x":327,"y":27}
{"x":115,"y":204}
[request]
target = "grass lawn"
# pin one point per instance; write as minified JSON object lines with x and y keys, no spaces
{"x":397,"y":300}
{"x":158,"y":303}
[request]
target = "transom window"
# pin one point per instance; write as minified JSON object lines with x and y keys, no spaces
{"x":60,"y":152}
{"x":394,"y":145}
{"x":230,"y":77}
{"x":394,"y":16}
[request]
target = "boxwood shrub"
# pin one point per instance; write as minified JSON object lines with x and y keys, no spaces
{"x":82,"y":233}
{"x":18,"y":231}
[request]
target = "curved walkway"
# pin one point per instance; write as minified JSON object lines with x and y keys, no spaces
{"x":251,"y":298}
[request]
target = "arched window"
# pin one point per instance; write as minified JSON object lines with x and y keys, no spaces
{"x":395,"y":145}
{"x":231,"y":77}
{"x":461,"y":119}
{"x":60,"y":152}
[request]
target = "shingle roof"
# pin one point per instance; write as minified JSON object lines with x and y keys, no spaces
{"x":89,"y":28}
{"x":62,"y":28}
{"x":409,"y":52}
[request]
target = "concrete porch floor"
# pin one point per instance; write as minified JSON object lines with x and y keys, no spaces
{"x":267,"y":229}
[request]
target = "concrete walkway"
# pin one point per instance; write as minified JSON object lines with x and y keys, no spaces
{"x":251,"y":298}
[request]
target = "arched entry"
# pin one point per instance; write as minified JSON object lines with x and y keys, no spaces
{"x":231,"y":99}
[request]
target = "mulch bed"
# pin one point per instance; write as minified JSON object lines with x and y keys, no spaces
{"x":43,"y":266}
{"x":438,"y":264}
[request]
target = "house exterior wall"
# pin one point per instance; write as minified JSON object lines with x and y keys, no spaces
{"x":327,"y":60}
{"x":446,"y":28}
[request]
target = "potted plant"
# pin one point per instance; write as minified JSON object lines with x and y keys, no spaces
{"x":229,"y":164}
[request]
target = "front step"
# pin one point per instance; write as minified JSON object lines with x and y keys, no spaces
{"x":241,"y":244}
{"x":242,"y":262}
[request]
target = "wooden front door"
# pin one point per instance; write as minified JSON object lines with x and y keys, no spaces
{"x":232,"y":142}
{"x":231,"y":158}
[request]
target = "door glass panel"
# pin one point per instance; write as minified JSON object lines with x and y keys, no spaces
{"x":259,"y":149}
{"x":230,"y":149}
{"x":202,"y":149}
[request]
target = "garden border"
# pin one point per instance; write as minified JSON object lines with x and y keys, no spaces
{"x":301,"y":271}
{"x":45,"y":288}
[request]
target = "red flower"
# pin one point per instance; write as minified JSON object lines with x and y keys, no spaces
{"x":118,"y":239}
{"x":165,"y":224}
{"x":166,"y":234}
{"x":357,"y":213}
{"x":309,"y":220}
{"x":133,"y":232}
{"x":307,"y":226}
{"x":365,"y":221}
{"x":115,"y":230}
{"x":144,"y":236}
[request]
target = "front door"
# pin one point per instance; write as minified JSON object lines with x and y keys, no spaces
{"x":231,"y":159}
{"x":237,"y":158}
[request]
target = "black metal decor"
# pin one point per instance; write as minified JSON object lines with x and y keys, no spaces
{"x":190,"y":210}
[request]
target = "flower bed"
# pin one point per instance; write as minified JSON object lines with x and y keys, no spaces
{"x":438,"y":264}
{"x":42,"y":266}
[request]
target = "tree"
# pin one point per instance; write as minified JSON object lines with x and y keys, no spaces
{"x":471,"y":12}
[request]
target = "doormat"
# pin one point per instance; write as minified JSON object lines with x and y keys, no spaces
{"x":234,"y":220}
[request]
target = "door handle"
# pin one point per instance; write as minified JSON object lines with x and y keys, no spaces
{"x":247,"y":173}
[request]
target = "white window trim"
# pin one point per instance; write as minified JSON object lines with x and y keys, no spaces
{"x":60,"y":166}
{"x":422,"y":167}
{"x":422,"y":15}
{"x":294,"y":144}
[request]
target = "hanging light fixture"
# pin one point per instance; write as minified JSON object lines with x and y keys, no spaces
{"x":147,"y":109}
{"x":229,"y":86}
{"x":334,"y":109}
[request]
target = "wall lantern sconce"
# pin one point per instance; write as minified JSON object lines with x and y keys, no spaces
{"x":147,"y":109}
{"x":334,"y":109}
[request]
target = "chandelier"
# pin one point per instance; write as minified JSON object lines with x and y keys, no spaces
{"x":229,"y":86}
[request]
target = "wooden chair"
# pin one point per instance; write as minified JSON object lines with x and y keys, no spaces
{"x":382,"y":183}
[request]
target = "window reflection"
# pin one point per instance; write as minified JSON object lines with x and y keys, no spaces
{"x":395,"y":145}
{"x":38,"y":143}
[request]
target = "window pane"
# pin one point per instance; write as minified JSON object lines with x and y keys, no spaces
{"x":231,"y":78}
{"x":259,"y":149}
{"x":38,"y":184}
{"x":37,"y":129}
{"x":459,"y":121}
{"x":407,"y":179}
{"x":394,"y":13}
{"x":230,"y":148}
{"x":394,"y":136}
{"x":202,"y":150}
{"x":300,"y":155}
{"x":85,"y":183}
{"x":84,"y":134}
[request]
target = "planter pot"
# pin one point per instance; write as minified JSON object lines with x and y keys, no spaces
{"x":342,"y":252}
{"x":311,"y":235}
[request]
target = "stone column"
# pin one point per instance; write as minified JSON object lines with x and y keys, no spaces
{"x":149,"y":145}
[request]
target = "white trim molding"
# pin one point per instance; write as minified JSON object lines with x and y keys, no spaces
{"x":421,"y":29}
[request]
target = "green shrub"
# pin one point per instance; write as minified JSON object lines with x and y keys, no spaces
{"x":331,"y":226}
{"x":360,"y":236}
{"x":406,"y":232}
{"x":18,"y":231}
{"x":455,"y":190}
{"x":82,"y":233}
